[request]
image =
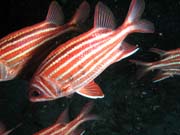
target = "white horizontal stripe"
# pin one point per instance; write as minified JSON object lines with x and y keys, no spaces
{"x":71,"y":51}
{"x":80,"y":53}
{"x":19,"y":34}
{"x":49,"y":129}
{"x":101,"y":64}
{"x":26,"y":44}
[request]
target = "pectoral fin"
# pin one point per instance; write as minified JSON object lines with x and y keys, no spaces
{"x":92,"y":90}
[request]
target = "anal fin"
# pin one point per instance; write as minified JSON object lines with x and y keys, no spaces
{"x":126,"y":50}
{"x":92,"y":90}
{"x":161,"y":76}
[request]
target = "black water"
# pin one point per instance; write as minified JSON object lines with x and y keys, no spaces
{"x":130,"y":106}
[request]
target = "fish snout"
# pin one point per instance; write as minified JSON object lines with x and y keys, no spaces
{"x":6,"y":73}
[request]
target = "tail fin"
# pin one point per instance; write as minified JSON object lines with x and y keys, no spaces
{"x":133,"y":18}
{"x":146,"y":66}
{"x":81,"y":14}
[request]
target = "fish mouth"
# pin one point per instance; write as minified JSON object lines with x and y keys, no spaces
{"x":3,"y":72}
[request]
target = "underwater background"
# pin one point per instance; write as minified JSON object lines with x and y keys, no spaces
{"x":130,"y":106}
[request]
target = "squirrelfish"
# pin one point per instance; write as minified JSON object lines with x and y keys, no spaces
{"x":63,"y":127}
{"x":73,"y":66}
{"x":168,"y":65}
{"x":17,"y":48}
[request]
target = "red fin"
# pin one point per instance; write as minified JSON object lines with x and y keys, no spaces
{"x":55,"y":14}
{"x":103,"y":17}
{"x":63,"y":118}
{"x":126,"y":50}
{"x":92,"y":90}
{"x":161,"y":76}
{"x":81,"y":14}
{"x":135,"y":11}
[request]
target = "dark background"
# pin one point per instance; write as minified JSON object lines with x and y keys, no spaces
{"x":130,"y":106}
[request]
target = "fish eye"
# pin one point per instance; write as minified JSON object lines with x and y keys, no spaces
{"x":35,"y":93}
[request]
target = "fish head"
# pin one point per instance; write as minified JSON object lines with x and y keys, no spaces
{"x":43,"y":89}
{"x":6,"y":73}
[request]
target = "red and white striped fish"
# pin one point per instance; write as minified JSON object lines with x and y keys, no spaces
{"x":17,"y":48}
{"x":73,"y":66}
{"x":63,"y":127}
{"x":169,"y":64}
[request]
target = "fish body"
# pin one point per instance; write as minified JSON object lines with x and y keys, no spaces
{"x":63,"y":127}
{"x":168,"y":65}
{"x":73,"y":66}
{"x":17,"y":48}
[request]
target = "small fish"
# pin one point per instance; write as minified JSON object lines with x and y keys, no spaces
{"x":17,"y":48}
{"x":73,"y":66}
{"x":63,"y":127}
{"x":168,"y":65}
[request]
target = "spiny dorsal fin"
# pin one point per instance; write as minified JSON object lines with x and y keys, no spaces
{"x":103,"y":17}
{"x":81,"y":14}
{"x":92,"y":90}
{"x":63,"y":118}
{"x":55,"y":14}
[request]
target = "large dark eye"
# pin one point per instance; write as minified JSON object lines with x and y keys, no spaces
{"x":35,"y":93}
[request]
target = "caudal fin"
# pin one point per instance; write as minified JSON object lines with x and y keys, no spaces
{"x":133,"y":18}
{"x":81,"y":14}
{"x":145,"y":67}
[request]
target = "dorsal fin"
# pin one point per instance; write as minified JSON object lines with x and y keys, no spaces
{"x":103,"y":17}
{"x":55,"y":14}
{"x":63,"y":118}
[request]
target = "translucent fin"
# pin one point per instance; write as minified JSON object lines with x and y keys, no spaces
{"x":135,"y":11}
{"x":103,"y":17}
{"x":158,"y":51}
{"x":55,"y":14}
{"x":92,"y":90}
{"x":143,"y":26}
{"x":83,"y":116}
{"x":162,"y":76}
{"x":63,"y":118}
{"x":133,"y":18}
{"x":127,"y":50}
{"x":146,"y":66}
{"x":81,"y":14}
